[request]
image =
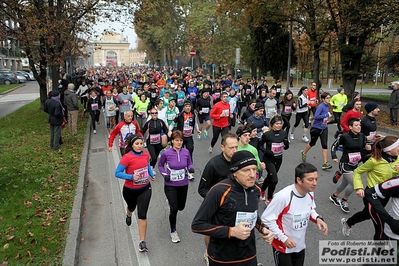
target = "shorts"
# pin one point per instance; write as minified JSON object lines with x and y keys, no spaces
{"x":201,"y":119}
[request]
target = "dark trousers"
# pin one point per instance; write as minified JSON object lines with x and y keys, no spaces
{"x":393,"y":116}
{"x":272,"y":167}
{"x":154,"y":150}
{"x":188,"y":143}
{"x":177,"y":197}
{"x":55,"y":137}
{"x":95,"y":117}
{"x":286,"y":123}
{"x":364,"y":215}
{"x":216,"y":131}
{"x":291,"y":259}
{"x":337,"y":119}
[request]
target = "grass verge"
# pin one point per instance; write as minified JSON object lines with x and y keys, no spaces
{"x":37,"y":187}
{"x":4,"y":88}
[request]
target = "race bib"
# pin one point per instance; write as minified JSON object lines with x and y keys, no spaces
{"x":94,"y":106}
{"x":340,"y":105}
{"x":205,"y":110}
{"x":278,"y":89}
{"x":270,"y":112}
{"x":180,"y":101}
{"x":170,"y":117}
{"x":354,"y":157}
{"x":325,"y":121}
{"x":217,"y":95}
{"x":226,"y":112}
{"x":143,"y":172}
{"x":155,"y":138}
{"x":249,"y":217}
{"x":313,"y":100}
{"x":177,"y":175}
{"x":142,"y":113}
{"x":287,"y":109}
{"x":247,"y":91}
{"x":153,"y":94}
{"x":125,"y":102}
{"x":300,"y":221}
{"x":277,"y":148}
{"x":192,"y":95}
{"x":187,"y":130}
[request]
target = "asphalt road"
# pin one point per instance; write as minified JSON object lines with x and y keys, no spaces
{"x":106,"y":240}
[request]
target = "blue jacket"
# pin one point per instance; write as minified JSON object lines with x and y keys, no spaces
{"x":321,"y":117}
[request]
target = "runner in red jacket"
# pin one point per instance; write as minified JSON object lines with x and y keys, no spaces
{"x":220,"y":114}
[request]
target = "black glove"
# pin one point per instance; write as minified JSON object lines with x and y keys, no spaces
{"x":167,"y":178}
{"x":191,"y":170}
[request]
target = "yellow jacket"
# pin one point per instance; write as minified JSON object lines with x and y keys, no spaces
{"x":377,"y":172}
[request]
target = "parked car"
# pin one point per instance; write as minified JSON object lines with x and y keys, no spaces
{"x":23,"y":73}
{"x":20,"y":77}
{"x":7,"y":78}
{"x":30,"y":73}
{"x":390,"y":85}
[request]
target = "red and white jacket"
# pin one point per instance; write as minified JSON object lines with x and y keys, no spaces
{"x":124,"y":130}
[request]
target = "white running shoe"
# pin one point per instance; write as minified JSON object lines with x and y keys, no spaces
{"x":175,"y":237}
{"x":305,"y":139}
{"x":346,"y":230}
{"x":95,"y":132}
{"x":210,"y":150}
{"x":291,"y":136}
{"x":206,"y":259}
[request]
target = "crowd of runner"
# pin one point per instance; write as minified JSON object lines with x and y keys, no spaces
{"x":165,"y":110}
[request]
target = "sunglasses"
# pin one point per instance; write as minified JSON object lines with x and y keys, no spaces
{"x":154,"y":113}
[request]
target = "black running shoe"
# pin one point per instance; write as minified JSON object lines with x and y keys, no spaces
{"x":128,"y":220}
{"x":143,"y":246}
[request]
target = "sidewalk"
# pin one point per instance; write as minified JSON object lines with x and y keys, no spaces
{"x":97,"y":233}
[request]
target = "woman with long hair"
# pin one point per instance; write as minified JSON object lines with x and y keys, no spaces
{"x":288,"y":106}
{"x":302,"y":113}
{"x":381,"y":166}
{"x":135,"y":168}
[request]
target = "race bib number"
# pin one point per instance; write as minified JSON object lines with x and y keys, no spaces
{"x":153,"y":94}
{"x":277,"y":148}
{"x":94,"y":106}
{"x":205,"y":110}
{"x":249,"y":217}
{"x":354,"y":157}
{"x":325,"y":121}
{"x":278,"y":89}
{"x":312,"y":100}
{"x":287,"y":109}
{"x":300,"y":221}
{"x":340,"y":105}
{"x":142,"y":113}
{"x":180,"y":101}
{"x":247,"y":91}
{"x":193,"y":95}
{"x":170,"y":117}
{"x":155,"y":138}
{"x":226,"y":112}
{"x":143,"y":172}
{"x":125,"y":102}
{"x":177,"y":175}
{"x":217,"y":95}
{"x":187,"y":130}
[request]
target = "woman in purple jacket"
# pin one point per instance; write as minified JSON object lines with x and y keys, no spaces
{"x":173,"y":166}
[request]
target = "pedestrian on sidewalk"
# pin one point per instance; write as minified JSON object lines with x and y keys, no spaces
{"x":135,"y":168}
{"x":320,"y":129}
{"x":55,"y":110}
{"x":393,"y":105}
{"x":72,"y":105}
{"x":174,"y":165}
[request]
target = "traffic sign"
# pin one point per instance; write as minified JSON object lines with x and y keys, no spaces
{"x":213,"y":65}
{"x":193,"y":52}
{"x":176,"y":61}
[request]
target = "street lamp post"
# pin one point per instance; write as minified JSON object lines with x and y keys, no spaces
{"x":378,"y":61}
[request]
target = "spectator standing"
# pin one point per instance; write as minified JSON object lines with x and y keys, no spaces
{"x":393,"y":105}
{"x":71,"y":102}
{"x":55,"y":110}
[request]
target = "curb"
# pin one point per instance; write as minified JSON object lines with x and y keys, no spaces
{"x":13,"y":89}
{"x":71,"y":252}
{"x":388,"y":130}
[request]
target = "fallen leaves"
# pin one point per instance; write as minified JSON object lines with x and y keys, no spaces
{"x":10,"y":238}
{"x":6,"y":246}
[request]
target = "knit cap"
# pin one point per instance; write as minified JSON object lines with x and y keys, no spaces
{"x":370,"y":106}
{"x":242,"y":159}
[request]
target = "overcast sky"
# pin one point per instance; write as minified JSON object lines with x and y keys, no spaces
{"x":118,"y":28}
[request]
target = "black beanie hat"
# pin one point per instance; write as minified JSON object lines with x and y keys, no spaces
{"x":370,"y":106}
{"x":242,"y":159}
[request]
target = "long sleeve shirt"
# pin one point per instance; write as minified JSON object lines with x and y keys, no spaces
{"x":218,"y":109}
{"x":175,"y":164}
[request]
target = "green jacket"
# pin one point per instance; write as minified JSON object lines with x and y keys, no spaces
{"x":252,"y":150}
{"x":377,"y":172}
